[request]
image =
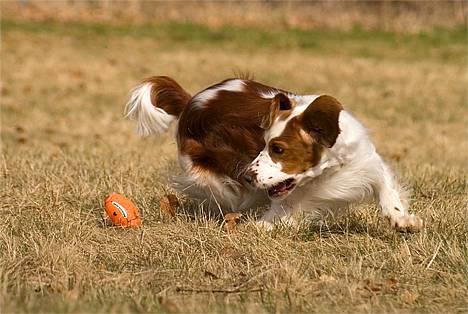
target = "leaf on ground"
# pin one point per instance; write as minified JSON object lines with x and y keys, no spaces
{"x":229,"y":252}
{"x":169,"y":204}
{"x":210,"y":274}
{"x":22,"y":139}
{"x":396,"y":157}
{"x":376,"y":286}
{"x":404,"y":251}
{"x":409,"y":297}
{"x":390,"y":282}
{"x":231,"y":220}
{"x":327,"y":278}
{"x":168,"y":305}
{"x":372,"y":285}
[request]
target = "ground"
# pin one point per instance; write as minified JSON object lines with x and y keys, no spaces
{"x":66,"y":145}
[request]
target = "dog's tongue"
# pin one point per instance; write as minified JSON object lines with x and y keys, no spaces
{"x":279,"y":187}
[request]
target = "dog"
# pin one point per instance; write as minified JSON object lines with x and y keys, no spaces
{"x":244,"y":144}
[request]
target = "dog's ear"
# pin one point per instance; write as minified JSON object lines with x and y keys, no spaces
{"x":279,"y":103}
{"x":320,"y":120}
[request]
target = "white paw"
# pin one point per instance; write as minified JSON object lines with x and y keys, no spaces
{"x":407,"y":223}
{"x":290,"y":222}
{"x":264,"y":225}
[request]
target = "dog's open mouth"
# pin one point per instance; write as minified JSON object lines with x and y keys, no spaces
{"x":282,"y":188}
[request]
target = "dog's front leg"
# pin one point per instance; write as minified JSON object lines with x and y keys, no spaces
{"x":279,"y":212}
{"x":393,"y":206}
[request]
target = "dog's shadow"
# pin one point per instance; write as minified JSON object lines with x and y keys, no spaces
{"x":353,"y":223}
{"x":350,"y":222}
{"x":343,"y":227}
{"x":194,"y":210}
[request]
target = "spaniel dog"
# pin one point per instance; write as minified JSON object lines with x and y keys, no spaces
{"x":244,"y":144}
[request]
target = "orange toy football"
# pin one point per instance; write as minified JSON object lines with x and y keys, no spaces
{"x":122,"y":211}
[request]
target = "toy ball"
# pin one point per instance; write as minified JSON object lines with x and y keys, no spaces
{"x":122,"y":211}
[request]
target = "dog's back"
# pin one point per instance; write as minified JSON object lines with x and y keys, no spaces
{"x":219,"y":130}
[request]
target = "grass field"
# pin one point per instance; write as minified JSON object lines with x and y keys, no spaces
{"x":65,"y":146}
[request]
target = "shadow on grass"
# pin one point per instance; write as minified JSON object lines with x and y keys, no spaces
{"x":351,"y":223}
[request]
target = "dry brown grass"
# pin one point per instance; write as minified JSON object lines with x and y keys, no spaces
{"x":65,"y":146}
{"x":399,"y":16}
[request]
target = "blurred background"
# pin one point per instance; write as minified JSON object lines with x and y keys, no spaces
{"x":393,"y":62}
{"x":399,"y":16}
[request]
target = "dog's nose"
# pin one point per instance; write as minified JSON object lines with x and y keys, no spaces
{"x":249,"y":177}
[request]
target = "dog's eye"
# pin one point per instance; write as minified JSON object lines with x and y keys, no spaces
{"x":277,"y":149}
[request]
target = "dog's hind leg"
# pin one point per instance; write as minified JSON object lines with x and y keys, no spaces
{"x":220,"y":192}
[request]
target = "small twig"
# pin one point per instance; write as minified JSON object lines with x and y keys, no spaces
{"x":196,"y":290}
{"x":434,"y":256}
{"x":216,"y":201}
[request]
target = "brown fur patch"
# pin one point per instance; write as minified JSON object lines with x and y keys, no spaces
{"x":302,"y":142}
{"x":320,"y":120}
{"x":300,"y":150}
{"x":281,"y":106}
{"x":168,"y":95}
{"x":224,"y":136}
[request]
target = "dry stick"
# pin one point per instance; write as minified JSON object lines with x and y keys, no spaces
{"x":238,"y":290}
{"x":216,"y":201}
{"x":434,"y":256}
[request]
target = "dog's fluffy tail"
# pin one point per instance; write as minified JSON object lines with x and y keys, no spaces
{"x":155,"y":103}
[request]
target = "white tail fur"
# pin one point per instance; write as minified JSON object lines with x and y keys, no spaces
{"x":150,"y":119}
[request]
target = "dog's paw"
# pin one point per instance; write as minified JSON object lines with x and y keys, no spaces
{"x":408,"y":223}
{"x":264,"y":225}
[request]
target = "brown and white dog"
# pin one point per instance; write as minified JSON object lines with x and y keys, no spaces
{"x":244,"y":144}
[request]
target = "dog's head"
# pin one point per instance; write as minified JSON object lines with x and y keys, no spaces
{"x":296,"y":137}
